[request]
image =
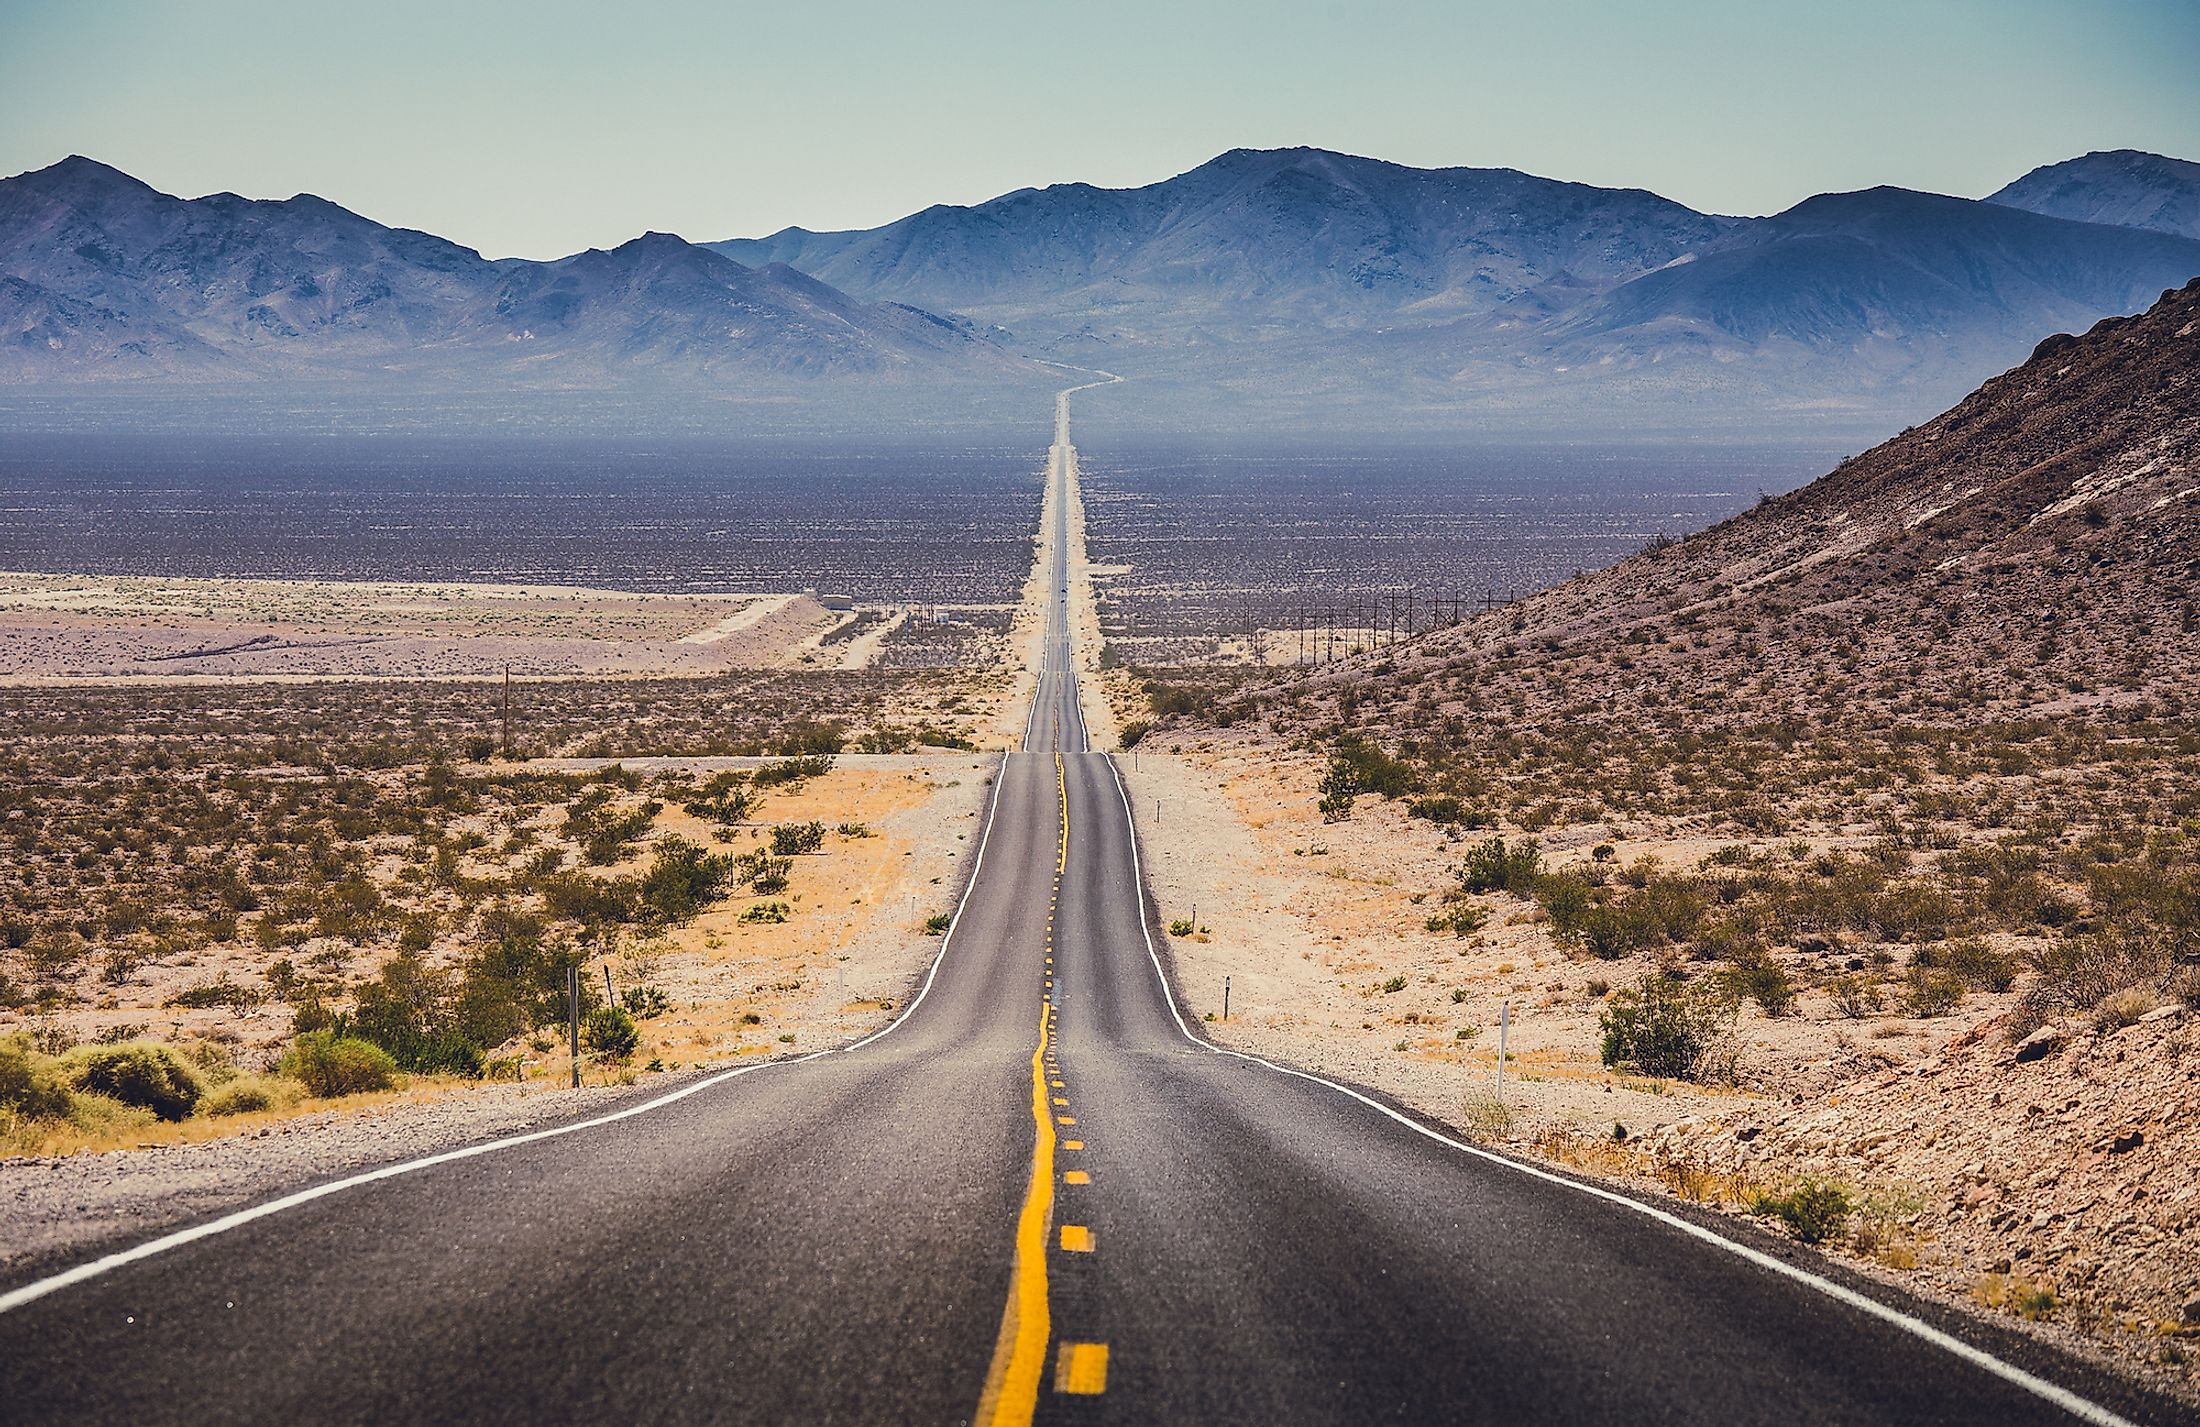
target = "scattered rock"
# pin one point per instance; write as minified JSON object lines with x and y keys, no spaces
{"x":2041,"y":1044}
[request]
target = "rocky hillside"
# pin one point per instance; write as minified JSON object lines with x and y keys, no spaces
{"x":2033,"y":551}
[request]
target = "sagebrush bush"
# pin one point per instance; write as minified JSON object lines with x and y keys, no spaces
{"x":1659,"y":1027}
{"x":1814,"y":1210}
{"x":610,"y":1032}
{"x":29,"y":1083}
{"x":331,"y":1065}
{"x":140,"y":1073}
{"x":246,"y":1094}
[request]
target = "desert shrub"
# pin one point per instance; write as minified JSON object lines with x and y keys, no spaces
{"x":610,"y":1032}
{"x":1394,"y":985}
{"x":1659,"y":1027}
{"x":1814,"y":1211}
{"x":1979,"y":966}
{"x":762,"y":871}
{"x":1853,"y":997}
{"x":938,"y":923}
{"x":768,"y":913}
{"x":1133,"y":731}
{"x":1609,"y":932}
{"x":221,"y":991}
{"x":795,"y":839}
{"x":1931,"y":990}
{"x":412,"y":1010}
{"x":813,"y":737}
{"x":579,"y":897}
{"x":151,"y":1077}
{"x":330,"y":1065}
{"x":30,"y":1084}
{"x":645,"y":1001}
{"x":789,"y":772}
{"x":1761,"y":979}
{"x":1358,"y":766}
{"x":1460,"y":919}
{"x":724,"y":798}
{"x":2078,"y":973}
{"x":1566,"y":897}
{"x":1181,"y":926}
{"x":245,"y":1094}
{"x":1447,"y":810}
{"x":1492,"y":866}
{"x":683,"y":879}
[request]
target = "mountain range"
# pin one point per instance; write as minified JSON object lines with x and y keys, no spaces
{"x":1273,"y":289}
{"x":102,"y":278}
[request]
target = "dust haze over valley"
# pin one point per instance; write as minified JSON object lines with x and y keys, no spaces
{"x":1315,"y":790}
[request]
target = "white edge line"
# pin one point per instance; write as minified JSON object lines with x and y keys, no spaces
{"x":2082,"y":1408}
{"x":94,"y":1268}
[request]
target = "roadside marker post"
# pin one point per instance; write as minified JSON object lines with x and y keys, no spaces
{"x":1504,"y":1027}
{"x":573,"y":1017}
{"x":610,"y":999}
{"x":1226,"y":998}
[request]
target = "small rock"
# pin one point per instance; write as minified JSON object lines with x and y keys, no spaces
{"x":2127,"y":1142}
{"x":2161,"y":1013}
{"x":2041,"y":1044}
{"x":2192,"y":1311}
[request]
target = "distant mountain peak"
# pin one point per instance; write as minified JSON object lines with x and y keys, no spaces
{"x":2126,"y":188}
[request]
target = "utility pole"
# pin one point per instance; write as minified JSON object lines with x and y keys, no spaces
{"x":507,"y":713}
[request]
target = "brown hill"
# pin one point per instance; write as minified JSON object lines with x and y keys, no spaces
{"x":2032,"y":551}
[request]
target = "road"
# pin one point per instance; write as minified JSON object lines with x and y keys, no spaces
{"x":1036,"y":1196}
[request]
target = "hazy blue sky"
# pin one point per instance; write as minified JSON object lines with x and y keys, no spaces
{"x":543,"y":127}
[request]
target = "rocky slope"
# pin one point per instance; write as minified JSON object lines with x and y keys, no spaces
{"x":2031,"y":551}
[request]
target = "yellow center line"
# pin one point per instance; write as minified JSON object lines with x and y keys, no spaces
{"x":1011,"y":1392}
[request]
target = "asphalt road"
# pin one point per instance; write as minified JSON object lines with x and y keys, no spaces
{"x":1038,"y":1196}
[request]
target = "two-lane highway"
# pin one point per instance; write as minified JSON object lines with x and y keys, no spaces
{"x":1039,"y":1195}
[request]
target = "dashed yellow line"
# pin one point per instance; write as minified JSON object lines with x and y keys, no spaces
{"x":1076,"y":1238}
{"x":1081,"y":1368}
{"x":1076,"y":1176}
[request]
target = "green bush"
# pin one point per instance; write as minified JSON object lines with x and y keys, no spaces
{"x":330,"y":1065}
{"x":683,"y":879}
{"x":1460,"y":919}
{"x":1815,"y":1211}
{"x":1759,"y":978}
{"x":645,"y":1001}
{"x":1660,"y":1027}
{"x":244,"y":1095}
{"x":938,"y":923}
{"x":1494,"y":867}
{"x":29,"y":1083}
{"x":1981,"y":967}
{"x":1133,"y":731}
{"x":768,"y":913}
{"x":1357,"y":766}
{"x":1181,"y":927}
{"x":1448,"y":811}
{"x":1931,"y":991}
{"x":610,"y":1032}
{"x":793,"y":771}
{"x":152,"y":1077}
{"x":795,"y":839}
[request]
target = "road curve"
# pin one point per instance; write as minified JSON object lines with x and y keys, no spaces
{"x":1037,"y":1196}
